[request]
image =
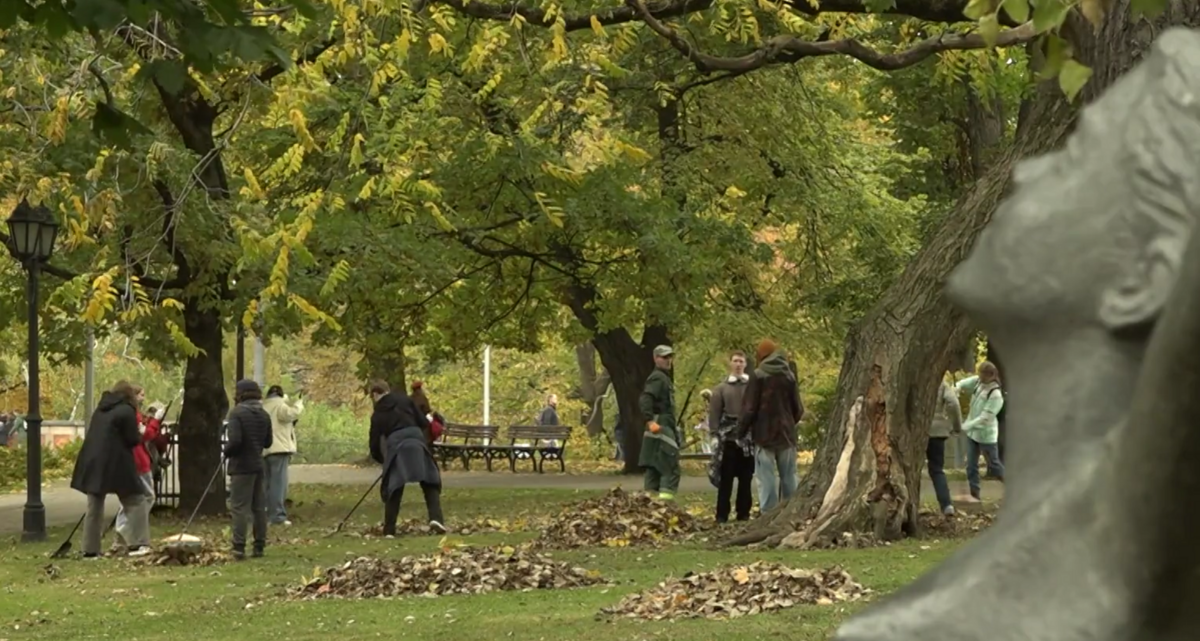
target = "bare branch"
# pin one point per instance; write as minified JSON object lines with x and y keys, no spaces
{"x":788,"y":49}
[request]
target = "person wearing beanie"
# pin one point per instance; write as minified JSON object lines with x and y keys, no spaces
{"x":661,"y":440}
{"x":771,"y":409}
{"x":284,"y":413}
{"x":248,"y":433}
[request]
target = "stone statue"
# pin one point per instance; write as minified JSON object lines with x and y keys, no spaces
{"x":1069,"y":281}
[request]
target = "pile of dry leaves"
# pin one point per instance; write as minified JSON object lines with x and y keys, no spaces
{"x":963,"y":524}
{"x":450,"y":571}
{"x":619,"y":519}
{"x":415,"y":527}
{"x":168,"y":555}
{"x":738,"y":591}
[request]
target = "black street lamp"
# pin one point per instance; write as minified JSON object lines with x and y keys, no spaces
{"x":31,"y":234}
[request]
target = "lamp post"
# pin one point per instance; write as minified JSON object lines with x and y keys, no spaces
{"x":31,"y":235}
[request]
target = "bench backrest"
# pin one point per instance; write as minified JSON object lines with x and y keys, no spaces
{"x":539,"y":432}
{"x":469,"y":433}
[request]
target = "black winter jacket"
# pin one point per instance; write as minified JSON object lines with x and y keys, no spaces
{"x":248,"y":433}
{"x":105,"y":464}
{"x":395,"y":411}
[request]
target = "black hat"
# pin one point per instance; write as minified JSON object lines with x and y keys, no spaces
{"x":247,"y":387}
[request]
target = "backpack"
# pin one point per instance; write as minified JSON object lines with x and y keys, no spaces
{"x":436,"y":426}
{"x":1003,"y":408}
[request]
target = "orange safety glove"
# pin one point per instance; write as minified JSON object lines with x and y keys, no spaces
{"x":654,"y":427}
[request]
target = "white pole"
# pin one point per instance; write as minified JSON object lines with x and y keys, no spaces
{"x":487,"y":384}
{"x":260,"y":362}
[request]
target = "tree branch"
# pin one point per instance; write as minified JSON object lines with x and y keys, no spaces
{"x":944,"y":11}
{"x":789,"y":49}
{"x":268,"y":74}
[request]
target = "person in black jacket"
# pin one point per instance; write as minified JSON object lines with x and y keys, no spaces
{"x":105,"y":463}
{"x":248,"y":434}
{"x":400,"y":442}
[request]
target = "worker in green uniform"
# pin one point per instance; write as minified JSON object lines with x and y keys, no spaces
{"x":660,"y":442}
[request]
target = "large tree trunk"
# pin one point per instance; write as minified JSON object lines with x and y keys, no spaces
{"x":384,"y":359}
{"x":204,"y":408}
{"x":592,"y":387}
{"x":867,"y":472}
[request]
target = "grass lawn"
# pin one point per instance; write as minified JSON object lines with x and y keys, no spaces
{"x":114,"y":599}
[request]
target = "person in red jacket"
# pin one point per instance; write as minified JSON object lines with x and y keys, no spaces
{"x":149,"y":427}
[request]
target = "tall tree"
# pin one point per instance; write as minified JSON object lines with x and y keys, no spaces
{"x":895,"y":355}
{"x":156,"y":235}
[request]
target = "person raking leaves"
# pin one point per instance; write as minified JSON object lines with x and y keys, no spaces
{"x":400,"y":441}
{"x":660,"y":442}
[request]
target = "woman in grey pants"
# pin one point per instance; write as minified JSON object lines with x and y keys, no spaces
{"x":105,"y":464}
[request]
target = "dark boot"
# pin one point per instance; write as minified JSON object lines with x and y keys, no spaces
{"x":258,"y":551}
{"x":238,"y":553}
{"x":975,"y":494}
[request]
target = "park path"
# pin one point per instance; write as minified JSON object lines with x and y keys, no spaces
{"x":64,"y":505}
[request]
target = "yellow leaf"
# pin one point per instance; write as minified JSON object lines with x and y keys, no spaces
{"x":437,"y":43}
{"x":742,"y":576}
{"x":598,"y":28}
{"x":252,"y":184}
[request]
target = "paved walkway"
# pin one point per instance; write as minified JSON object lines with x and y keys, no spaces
{"x":64,"y":506}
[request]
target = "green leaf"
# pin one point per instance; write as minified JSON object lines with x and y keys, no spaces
{"x":1018,"y":10}
{"x":977,"y":9}
{"x":1147,"y":8}
{"x":989,"y":28}
{"x":10,"y":11}
{"x":168,"y":74}
{"x":115,"y":126}
{"x":1048,"y":14}
{"x":1072,"y":77}
{"x":1057,"y":52}
{"x":305,"y":8}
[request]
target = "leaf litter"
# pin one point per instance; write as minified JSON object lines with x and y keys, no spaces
{"x":449,"y":571}
{"x":415,"y":527}
{"x":620,"y":519}
{"x":179,"y":556}
{"x":933,"y":525}
{"x":736,"y":591}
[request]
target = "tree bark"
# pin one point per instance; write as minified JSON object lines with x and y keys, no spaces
{"x":385,"y":360}
{"x":591,"y":387}
{"x":205,"y":405}
{"x":866,"y":476}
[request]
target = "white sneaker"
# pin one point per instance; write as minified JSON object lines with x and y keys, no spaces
{"x":286,"y":524}
{"x":438,"y":527}
{"x":141,"y":550}
{"x":949,"y":511}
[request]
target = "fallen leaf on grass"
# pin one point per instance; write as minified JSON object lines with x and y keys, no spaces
{"x":963,"y":524}
{"x":739,"y":591}
{"x":414,"y":527}
{"x":450,"y":571}
{"x":619,"y":519}
{"x":176,"y":556}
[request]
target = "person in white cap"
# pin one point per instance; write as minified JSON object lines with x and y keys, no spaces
{"x":660,"y":442}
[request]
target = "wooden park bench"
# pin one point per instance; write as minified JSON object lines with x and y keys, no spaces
{"x":532,"y":443}
{"x":476,"y":442}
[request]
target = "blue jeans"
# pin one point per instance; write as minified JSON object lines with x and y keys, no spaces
{"x":935,"y":458}
{"x":772,"y":466}
{"x":277,"y":481}
{"x":991,"y":455}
